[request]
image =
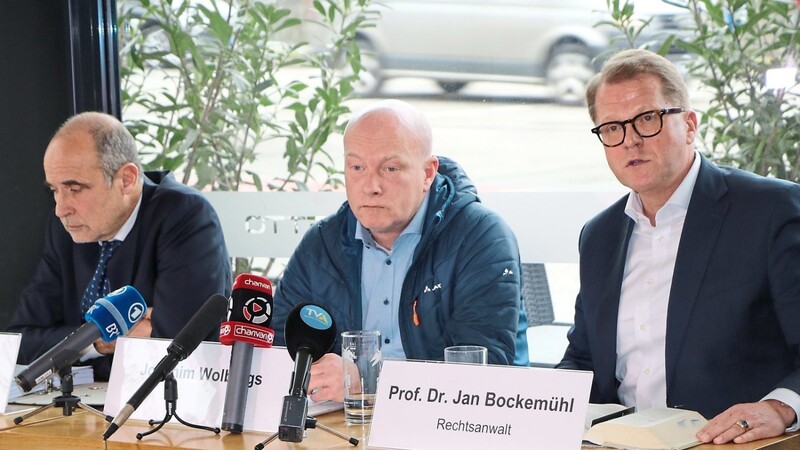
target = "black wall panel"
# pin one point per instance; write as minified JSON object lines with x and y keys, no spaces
{"x":35,"y":98}
{"x":57,"y":58}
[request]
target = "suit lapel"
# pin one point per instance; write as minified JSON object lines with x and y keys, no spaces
{"x":122,"y":266}
{"x":704,"y":220}
{"x":85,"y":257}
{"x":608,"y":307}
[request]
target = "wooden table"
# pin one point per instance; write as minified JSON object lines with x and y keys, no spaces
{"x":83,"y":430}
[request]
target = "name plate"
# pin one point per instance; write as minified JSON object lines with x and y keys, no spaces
{"x":427,"y":405}
{"x":9,"y":347}
{"x":202,"y":379}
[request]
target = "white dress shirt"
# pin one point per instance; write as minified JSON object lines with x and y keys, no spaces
{"x":646,"y":282}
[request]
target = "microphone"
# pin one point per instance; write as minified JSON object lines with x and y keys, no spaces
{"x":248,"y":326}
{"x":199,"y":326}
{"x":309,"y":334}
{"x":109,"y":317}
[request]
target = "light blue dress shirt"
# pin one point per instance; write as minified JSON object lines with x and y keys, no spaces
{"x":382,"y":274}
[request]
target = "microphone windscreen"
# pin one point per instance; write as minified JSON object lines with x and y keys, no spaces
{"x":311,"y":327}
{"x":251,"y":300}
{"x":204,"y":321}
{"x":117,"y":312}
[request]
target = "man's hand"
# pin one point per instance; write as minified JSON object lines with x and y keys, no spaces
{"x":143,"y":328}
{"x":326,"y":381}
{"x":748,"y":422}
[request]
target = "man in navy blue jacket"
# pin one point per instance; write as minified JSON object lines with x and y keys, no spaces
{"x":172,"y":249}
{"x":412,"y":253}
{"x":690,"y":285}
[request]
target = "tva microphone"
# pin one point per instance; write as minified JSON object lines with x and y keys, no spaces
{"x":108,"y":318}
{"x":204,"y":321}
{"x":247,"y":326}
{"x":310,"y":333}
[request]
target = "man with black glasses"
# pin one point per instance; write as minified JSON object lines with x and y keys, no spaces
{"x":690,"y":285}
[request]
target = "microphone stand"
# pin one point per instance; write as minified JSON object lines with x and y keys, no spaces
{"x":311,"y":422}
{"x":171,"y":398}
{"x":67,"y":401}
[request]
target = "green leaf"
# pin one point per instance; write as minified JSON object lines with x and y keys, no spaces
{"x":320,"y":9}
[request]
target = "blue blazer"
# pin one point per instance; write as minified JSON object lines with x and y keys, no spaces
{"x":175,"y":256}
{"x":733,"y":319}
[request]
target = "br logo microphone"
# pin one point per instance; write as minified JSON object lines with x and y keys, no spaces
{"x":100,"y":308}
{"x":247,"y":327}
{"x":108,"y":318}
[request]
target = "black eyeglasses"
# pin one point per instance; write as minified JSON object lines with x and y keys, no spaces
{"x":646,"y":124}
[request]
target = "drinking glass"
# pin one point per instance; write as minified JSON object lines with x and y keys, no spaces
{"x":361,"y":363}
{"x":466,"y":354}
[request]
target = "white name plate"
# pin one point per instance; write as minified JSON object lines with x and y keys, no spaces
{"x":201,"y":382}
{"x":427,"y":405}
{"x":9,"y":347}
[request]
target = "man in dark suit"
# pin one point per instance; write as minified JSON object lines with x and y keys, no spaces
{"x":169,"y":243}
{"x":690,"y":285}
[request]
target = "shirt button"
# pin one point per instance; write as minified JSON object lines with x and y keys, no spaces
{"x":642,"y":327}
{"x":387,"y":340}
{"x":661,"y":239}
{"x":386,"y":301}
{"x":650,"y":281}
{"x":388,"y":262}
{"x":647,"y":371}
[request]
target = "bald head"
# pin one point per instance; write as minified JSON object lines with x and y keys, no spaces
{"x":88,"y":121}
{"x":388,"y":167}
{"x":113,"y":142}
{"x":406,"y":121}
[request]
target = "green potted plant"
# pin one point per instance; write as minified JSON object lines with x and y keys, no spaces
{"x":204,"y":88}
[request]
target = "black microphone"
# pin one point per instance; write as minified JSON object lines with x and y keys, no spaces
{"x":248,"y":326}
{"x":309,"y":334}
{"x":204,"y":321}
{"x":109,"y":317}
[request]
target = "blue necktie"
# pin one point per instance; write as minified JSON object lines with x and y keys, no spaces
{"x":99,"y":287}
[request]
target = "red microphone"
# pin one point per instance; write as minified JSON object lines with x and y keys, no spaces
{"x":249,"y":318}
